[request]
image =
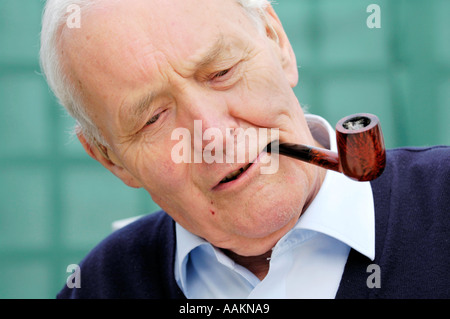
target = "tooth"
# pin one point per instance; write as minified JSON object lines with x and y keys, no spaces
{"x":235,"y":173}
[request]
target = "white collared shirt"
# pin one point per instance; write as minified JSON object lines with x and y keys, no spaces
{"x":307,"y":262}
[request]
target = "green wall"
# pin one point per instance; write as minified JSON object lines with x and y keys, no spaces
{"x":56,"y":203}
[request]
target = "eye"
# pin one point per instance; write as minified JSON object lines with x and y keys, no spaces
{"x":221,"y":73}
{"x":225,"y":78}
{"x":153,"y":119}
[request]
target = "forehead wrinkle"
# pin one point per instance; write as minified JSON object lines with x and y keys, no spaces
{"x":212,"y":54}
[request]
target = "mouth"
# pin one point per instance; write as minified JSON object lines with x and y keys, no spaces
{"x":241,"y":175}
{"x":235,"y":174}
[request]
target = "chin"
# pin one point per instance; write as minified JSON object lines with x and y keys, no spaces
{"x":273,"y":218}
{"x":270,"y":210}
{"x":262,"y":235}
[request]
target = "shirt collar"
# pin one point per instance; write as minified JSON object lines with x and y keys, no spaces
{"x":342,"y":209}
{"x":186,"y":242}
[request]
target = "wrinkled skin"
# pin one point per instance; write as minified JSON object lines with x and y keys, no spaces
{"x":199,"y":60}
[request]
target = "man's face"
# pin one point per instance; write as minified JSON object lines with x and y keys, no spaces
{"x":146,"y":68}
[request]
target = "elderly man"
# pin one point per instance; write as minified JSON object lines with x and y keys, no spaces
{"x":135,"y":71}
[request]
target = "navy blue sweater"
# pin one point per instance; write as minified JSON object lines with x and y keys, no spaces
{"x":412,"y":229}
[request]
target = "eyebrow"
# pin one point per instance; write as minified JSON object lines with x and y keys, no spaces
{"x":144,"y":103}
{"x":212,"y":54}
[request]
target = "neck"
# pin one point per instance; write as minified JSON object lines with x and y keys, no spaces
{"x":258,"y":265}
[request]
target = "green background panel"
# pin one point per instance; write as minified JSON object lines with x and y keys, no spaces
{"x":442,"y":31}
{"x":23,"y":110}
{"x":25,"y":279}
{"x":25,"y":219}
{"x":19,"y":31}
{"x":56,"y":203}
{"x":442,"y":122}
{"x":112,"y":200}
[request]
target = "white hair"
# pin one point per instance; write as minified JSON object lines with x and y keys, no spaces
{"x":54,"y":19}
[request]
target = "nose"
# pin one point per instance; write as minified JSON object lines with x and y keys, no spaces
{"x":206,"y":113}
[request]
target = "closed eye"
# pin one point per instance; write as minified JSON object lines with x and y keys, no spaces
{"x":154,"y":118}
{"x":226,"y":78}
{"x":221,"y":73}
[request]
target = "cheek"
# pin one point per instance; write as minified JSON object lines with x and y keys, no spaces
{"x":264,"y":98}
{"x":270,"y":102}
{"x":153,"y":166}
{"x":161,"y":175}
{"x":170,"y":184}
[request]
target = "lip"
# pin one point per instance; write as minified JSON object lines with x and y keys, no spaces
{"x":244,"y":178}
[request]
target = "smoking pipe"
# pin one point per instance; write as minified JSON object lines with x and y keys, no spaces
{"x":361,"y":152}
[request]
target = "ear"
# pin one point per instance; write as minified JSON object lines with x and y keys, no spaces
{"x":108,"y":159}
{"x":275,"y":31}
